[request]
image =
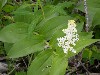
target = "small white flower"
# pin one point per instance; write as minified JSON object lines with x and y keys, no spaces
{"x":68,"y":41}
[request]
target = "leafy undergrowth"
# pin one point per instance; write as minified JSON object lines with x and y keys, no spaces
{"x":29,"y":32}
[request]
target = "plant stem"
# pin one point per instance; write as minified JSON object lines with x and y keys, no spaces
{"x":86,"y":16}
{"x":30,"y":59}
{"x":84,"y":67}
{"x":11,"y":71}
{"x":41,"y":8}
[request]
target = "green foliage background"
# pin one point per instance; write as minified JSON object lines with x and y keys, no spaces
{"x":33,"y":28}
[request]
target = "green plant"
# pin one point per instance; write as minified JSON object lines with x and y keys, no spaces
{"x":37,"y":32}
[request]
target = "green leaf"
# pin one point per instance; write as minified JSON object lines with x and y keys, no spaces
{"x":55,"y":1}
{"x":60,"y":7}
{"x":20,"y":73}
{"x":95,"y":52}
{"x":53,"y":41}
{"x":96,"y":20}
{"x":79,"y":26}
{"x":24,"y":16}
{"x":24,"y":7}
{"x":81,"y":44}
{"x":92,"y":5}
{"x":96,"y":55}
{"x":53,"y":25}
{"x":41,"y":64}
{"x":27,"y":46}
{"x":8,"y":8}
{"x":38,"y":19}
{"x":84,"y":40}
{"x":48,"y":16}
{"x":14,"y":32}
{"x":85,"y":35}
{"x":7,"y":46}
{"x":87,"y":53}
{"x":2,"y":3}
{"x":58,"y":33}
{"x":59,"y":65}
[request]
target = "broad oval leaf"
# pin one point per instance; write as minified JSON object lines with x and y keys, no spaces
{"x":14,"y":32}
{"x":24,"y":16}
{"x":59,"y":65}
{"x":34,"y":24}
{"x":41,"y":64}
{"x":53,"y":25}
{"x":81,"y":44}
{"x":27,"y":46}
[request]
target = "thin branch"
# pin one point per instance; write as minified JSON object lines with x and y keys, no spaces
{"x":41,"y":8}
{"x":30,"y":59}
{"x":24,"y":62}
{"x":11,"y":71}
{"x":86,"y":16}
{"x":84,"y":67}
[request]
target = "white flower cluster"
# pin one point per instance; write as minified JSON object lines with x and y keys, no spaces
{"x":68,"y":41}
